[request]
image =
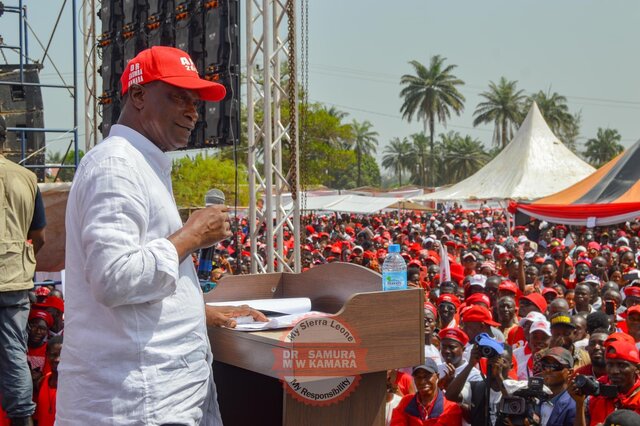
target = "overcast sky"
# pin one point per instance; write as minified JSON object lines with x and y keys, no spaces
{"x":583,"y":49}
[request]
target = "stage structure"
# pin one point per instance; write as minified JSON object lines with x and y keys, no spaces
{"x":270,"y":41}
{"x":21,"y":100}
{"x":208,"y":30}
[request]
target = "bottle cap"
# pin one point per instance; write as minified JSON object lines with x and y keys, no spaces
{"x":394,"y":248}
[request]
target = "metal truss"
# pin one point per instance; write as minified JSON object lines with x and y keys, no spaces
{"x":268,"y":43}
{"x":90,"y":74}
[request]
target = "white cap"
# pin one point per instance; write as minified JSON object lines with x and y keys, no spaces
{"x":479,"y":280}
{"x":533,"y":316}
{"x":543,"y":326}
{"x":522,"y":239}
{"x":357,"y":248}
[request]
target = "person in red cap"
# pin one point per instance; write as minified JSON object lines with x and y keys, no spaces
{"x":55,"y":306}
{"x":632,"y":321}
{"x":430,"y":320}
{"x":136,"y":294}
{"x":532,"y":302}
{"x":38,"y":329}
{"x":448,"y":305}
{"x":453,"y":341}
{"x":622,"y":361}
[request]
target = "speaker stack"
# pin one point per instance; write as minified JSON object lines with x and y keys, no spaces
{"x":207,"y":30}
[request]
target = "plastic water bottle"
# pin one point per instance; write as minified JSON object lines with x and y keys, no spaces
{"x":394,"y":270}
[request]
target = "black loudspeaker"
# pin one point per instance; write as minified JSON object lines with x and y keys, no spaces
{"x":206,"y":29}
{"x":21,"y":106}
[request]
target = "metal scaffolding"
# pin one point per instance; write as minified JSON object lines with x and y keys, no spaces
{"x":22,"y":49}
{"x":267,"y":44}
{"x":90,"y":74}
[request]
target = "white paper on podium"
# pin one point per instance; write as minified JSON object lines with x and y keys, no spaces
{"x":294,"y":308}
{"x":292,"y":305}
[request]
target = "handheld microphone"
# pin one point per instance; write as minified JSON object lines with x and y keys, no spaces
{"x":212,"y":197}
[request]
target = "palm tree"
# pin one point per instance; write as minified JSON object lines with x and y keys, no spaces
{"x":503,"y":107}
{"x":603,"y":147}
{"x":463,"y":156}
{"x":555,"y":111}
{"x":335,"y":112}
{"x":420,"y":145}
{"x":365,"y":142}
{"x":431,"y":94}
{"x":397,"y":156}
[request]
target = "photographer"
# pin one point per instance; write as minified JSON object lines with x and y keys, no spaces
{"x":560,"y":410}
{"x":622,"y":361}
{"x":472,"y":394}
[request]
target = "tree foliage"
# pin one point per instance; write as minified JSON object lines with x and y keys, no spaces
{"x":604,"y":147}
{"x":63,"y":174}
{"x":502,"y":107}
{"x":431,"y":94}
{"x":193,"y":177}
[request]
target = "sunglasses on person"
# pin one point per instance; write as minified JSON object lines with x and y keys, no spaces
{"x":551,"y":366}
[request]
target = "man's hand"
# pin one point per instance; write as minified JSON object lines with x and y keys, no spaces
{"x":204,"y":228}
{"x":474,"y":356}
{"x":449,"y":374}
{"x":223,"y":316}
{"x":573,"y":390}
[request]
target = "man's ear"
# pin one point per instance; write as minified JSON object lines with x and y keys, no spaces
{"x":136,"y":95}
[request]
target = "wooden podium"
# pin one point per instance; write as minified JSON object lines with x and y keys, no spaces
{"x":389,"y":325}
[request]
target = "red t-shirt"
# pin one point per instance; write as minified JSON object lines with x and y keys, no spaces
{"x":441,"y":412}
{"x":600,"y":407}
{"x":46,"y":404}
{"x":515,"y":337}
{"x":37,"y":358}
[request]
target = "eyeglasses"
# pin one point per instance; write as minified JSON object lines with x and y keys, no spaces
{"x":551,"y":366}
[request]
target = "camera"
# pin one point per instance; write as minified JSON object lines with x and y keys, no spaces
{"x":521,"y":404}
{"x":488,"y":346}
{"x":588,"y":385}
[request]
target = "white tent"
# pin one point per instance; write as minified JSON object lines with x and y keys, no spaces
{"x":350,"y":203}
{"x":533,"y":165}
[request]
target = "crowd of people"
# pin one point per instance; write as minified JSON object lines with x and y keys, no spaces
{"x":561,"y":303}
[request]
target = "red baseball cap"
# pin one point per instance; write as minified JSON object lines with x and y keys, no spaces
{"x":454,"y":333}
{"x":448,"y":298}
{"x":622,"y":350}
{"x":43,"y":315}
{"x":172,"y":66}
{"x":476,"y":298}
{"x":537,"y":299}
{"x":51,"y":302}
{"x":619,"y":336}
{"x":428,"y":306}
{"x":632,"y":291}
{"x":477,"y":313}
{"x":509,"y":286}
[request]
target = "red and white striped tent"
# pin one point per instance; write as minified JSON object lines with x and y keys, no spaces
{"x":608,"y":196}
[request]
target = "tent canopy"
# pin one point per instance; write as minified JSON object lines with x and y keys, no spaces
{"x":534,"y":164}
{"x":360,"y":204}
{"x":608,"y":196}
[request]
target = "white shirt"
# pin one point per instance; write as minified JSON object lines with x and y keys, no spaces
{"x":136,"y":350}
{"x":474,"y":374}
